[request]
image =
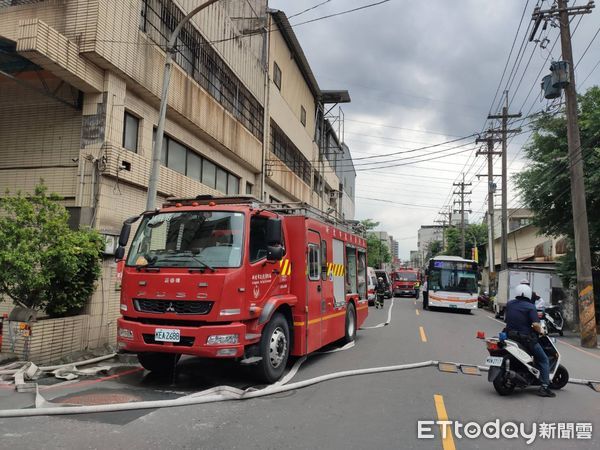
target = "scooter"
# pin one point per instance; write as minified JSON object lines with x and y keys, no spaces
{"x":511,"y":365}
{"x":554,"y":318}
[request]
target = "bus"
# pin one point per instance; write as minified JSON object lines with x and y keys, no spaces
{"x":452,"y":282}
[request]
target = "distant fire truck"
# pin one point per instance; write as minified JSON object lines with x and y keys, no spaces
{"x":406,"y":282}
{"x":230,"y":277}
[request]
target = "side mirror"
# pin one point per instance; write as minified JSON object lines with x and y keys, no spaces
{"x":124,"y":236}
{"x":120,"y":253}
{"x":274,"y":253}
{"x":274,"y":234}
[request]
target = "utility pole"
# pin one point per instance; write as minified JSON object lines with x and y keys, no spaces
{"x":491,"y":190}
{"x":462,"y":202}
{"x":170,"y":50}
{"x":587,"y":317}
{"x":504,"y":131}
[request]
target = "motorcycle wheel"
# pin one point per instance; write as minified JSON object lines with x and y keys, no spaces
{"x":503,"y":386}
{"x":561,"y":378}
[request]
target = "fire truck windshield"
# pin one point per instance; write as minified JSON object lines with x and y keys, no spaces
{"x":203,"y":239}
{"x":406,"y":276}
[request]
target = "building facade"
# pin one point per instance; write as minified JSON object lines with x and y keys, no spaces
{"x":80,"y":86}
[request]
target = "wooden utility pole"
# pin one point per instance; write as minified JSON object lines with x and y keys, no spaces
{"x":462,"y":210}
{"x":491,"y":190}
{"x":504,"y":131}
{"x":585,"y":289}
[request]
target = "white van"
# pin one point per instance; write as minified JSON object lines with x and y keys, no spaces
{"x":371,"y":285}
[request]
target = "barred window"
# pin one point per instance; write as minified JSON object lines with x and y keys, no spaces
{"x":288,"y":153}
{"x":158,"y":19}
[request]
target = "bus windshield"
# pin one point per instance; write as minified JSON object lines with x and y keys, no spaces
{"x":203,"y":239}
{"x":453,"y":277}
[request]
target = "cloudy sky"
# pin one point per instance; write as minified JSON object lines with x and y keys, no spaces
{"x":422,"y":73}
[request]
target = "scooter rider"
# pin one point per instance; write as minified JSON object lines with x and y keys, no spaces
{"x":523,"y":325}
{"x":535,"y":299}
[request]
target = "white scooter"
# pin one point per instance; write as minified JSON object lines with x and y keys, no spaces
{"x":511,"y":365}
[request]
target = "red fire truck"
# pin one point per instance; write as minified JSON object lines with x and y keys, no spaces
{"x":230,"y":277}
{"x":406,"y":282}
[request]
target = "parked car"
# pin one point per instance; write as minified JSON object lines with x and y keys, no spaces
{"x":386,"y":279}
{"x":371,"y":285}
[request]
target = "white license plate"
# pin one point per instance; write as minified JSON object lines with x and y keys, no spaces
{"x":493,"y":361}
{"x":167,"y":335}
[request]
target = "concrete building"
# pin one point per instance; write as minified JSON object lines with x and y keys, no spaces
{"x":80,"y":87}
{"x":426,"y":235}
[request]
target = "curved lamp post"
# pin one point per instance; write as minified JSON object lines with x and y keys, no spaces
{"x":160,"y":130}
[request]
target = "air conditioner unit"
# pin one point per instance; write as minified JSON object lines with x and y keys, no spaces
{"x":333,"y":194}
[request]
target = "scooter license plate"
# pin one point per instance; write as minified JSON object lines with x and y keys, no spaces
{"x":493,"y":361}
{"x":167,"y":335}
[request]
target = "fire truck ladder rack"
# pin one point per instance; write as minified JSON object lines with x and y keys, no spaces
{"x":293,"y":208}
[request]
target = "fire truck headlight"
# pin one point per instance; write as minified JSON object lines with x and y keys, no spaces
{"x":219,"y":339}
{"x":125,"y":333}
{"x":123,"y":307}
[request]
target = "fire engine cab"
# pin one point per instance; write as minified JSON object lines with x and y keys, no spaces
{"x":231,"y":277}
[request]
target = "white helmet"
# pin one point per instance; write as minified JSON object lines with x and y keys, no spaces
{"x":523,"y":291}
{"x":525,"y":281}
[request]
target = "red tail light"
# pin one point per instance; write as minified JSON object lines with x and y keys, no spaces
{"x":540,"y":314}
{"x":492,"y":345}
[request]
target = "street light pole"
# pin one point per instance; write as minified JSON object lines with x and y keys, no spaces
{"x":162,"y":113}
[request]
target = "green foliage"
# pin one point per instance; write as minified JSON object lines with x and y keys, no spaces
{"x":475,"y":233}
{"x":369,"y":224}
{"x":377,"y":251}
{"x":544,"y":185}
{"x":45,"y":265}
{"x":434,"y":248}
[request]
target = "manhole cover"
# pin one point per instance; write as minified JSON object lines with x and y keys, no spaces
{"x":105,"y":398}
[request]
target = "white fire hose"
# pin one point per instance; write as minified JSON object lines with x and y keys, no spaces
{"x":226,"y":393}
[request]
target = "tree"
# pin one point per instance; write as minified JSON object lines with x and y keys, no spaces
{"x":377,"y":251}
{"x":45,"y":265}
{"x":369,"y":224}
{"x":544,"y":185}
{"x":475,"y":233}
{"x":434,"y":248}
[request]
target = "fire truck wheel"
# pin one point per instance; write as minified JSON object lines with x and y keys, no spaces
{"x":350,"y":334}
{"x":274,"y":349}
{"x":159,"y":363}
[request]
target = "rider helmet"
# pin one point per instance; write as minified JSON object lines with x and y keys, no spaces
{"x":523,"y":291}
{"x":525,"y":281}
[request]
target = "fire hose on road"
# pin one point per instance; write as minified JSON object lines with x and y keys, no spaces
{"x":228,"y":393}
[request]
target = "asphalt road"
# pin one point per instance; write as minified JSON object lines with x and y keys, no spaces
{"x":370,"y":411}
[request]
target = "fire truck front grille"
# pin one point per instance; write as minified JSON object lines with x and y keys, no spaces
{"x":185,"y":341}
{"x":172,"y":306}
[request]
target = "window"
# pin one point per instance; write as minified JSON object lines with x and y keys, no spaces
{"x":276,"y":75}
{"x":194,"y":166}
{"x":362,"y":274}
{"x":302,"y":115}
{"x":201,"y":62}
{"x":314,"y":266}
{"x":258,"y":238}
{"x":233,"y":185}
{"x":182,"y":159}
{"x":249,"y":187}
{"x":351,"y":287}
{"x":209,"y":173}
{"x":289,"y":154}
{"x":176,"y":158}
{"x":131,"y":126}
{"x":221,"y":180}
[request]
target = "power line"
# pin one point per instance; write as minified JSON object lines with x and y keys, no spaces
{"x":341,"y":13}
{"x":308,"y":9}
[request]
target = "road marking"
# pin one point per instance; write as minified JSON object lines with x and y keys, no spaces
{"x":417,"y":312}
{"x":447,"y":439}
{"x":423,"y":336}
